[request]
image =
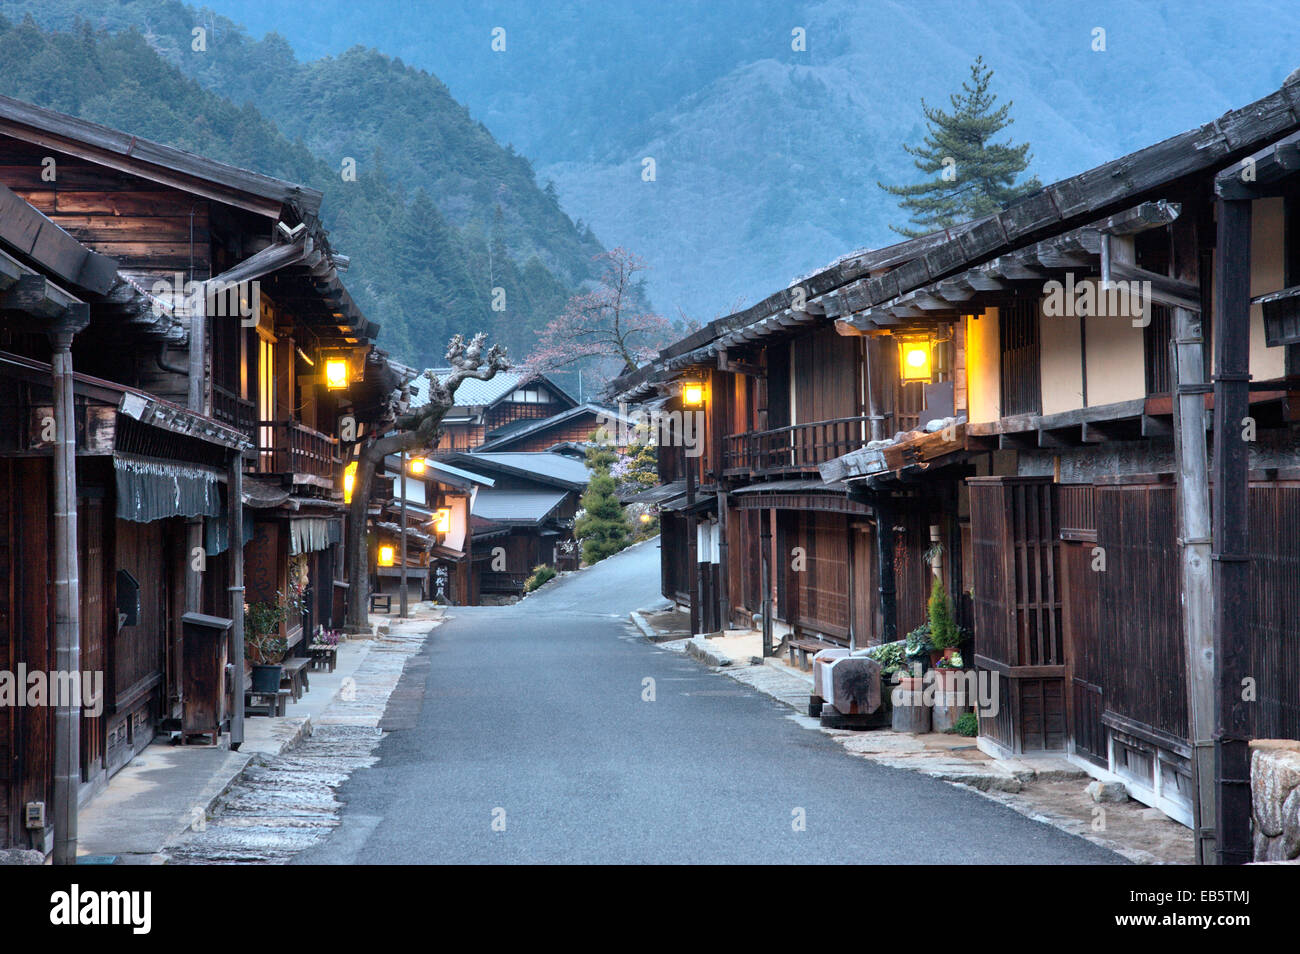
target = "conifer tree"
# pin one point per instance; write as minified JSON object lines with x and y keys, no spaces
{"x":603,"y":528}
{"x":973,"y":175}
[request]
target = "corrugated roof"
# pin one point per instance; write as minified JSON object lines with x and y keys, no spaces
{"x":540,"y":465}
{"x":516,"y":506}
{"x":476,"y":393}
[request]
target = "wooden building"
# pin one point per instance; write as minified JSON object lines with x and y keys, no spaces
{"x":439,"y":500}
{"x":491,"y":409}
{"x":208,"y":308}
{"x":1086,"y":346}
{"x":524,"y":519}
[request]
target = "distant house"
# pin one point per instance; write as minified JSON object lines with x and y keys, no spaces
{"x":483,"y":408}
{"x":524,"y":519}
{"x":439,"y":498}
{"x":572,"y":426}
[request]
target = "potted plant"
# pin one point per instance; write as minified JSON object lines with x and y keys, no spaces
{"x":918,"y":648}
{"x":945,"y":636}
{"x":264,"y":647}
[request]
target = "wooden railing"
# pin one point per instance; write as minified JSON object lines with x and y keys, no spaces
{"x":230,"y":409}
{"x":287,"y":447}
{"x":797,"y":447}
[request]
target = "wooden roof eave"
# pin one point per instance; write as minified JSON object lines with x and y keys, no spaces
{"x":1098,"y":192}
{"x":166,"y":165}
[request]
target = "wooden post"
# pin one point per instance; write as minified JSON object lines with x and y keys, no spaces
{"x":235,"y":587}
{"x":850,"y":589}
{"x":403,"y":611}
{"x":1192,"y":466}
{"x":1231,"y":531}
{"x":67,"y":591}
{"x":885,"y":571}
{"x":765,"y":571}
{"x":196,"y":402}
{"x":724,"y":576}
{"x":692,"y":551}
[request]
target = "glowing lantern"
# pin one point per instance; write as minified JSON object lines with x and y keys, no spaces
{"x":349,"y":481}
{"x":693,"y":394}
{"x":914,"y":360}
{"x":387,"y":555}
{"x":417,"y":466}
{"x":442,"y":520}
{"x":336,"y":373}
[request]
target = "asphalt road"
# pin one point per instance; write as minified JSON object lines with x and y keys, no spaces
{"x":534,"y":744}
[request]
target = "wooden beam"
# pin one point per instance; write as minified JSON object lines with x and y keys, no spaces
{"x":1167,"y":291}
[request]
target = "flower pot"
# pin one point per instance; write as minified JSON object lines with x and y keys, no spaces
{"x":910,"y":713}
{"x":949,"y":652}
{"x":267,"y":678}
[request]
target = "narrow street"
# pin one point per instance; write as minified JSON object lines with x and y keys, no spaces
{"x":533,"y":717}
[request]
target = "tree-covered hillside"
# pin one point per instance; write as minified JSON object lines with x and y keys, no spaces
{"x":438,"y":215}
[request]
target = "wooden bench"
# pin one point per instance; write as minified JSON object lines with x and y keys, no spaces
{"x":293,"y":675}
{"x":806,"y":648}
{"x":266,"y":703}
{"x":385,"y":598}
{"x":324,"y":655}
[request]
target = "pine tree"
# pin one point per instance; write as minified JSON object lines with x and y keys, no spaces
{"x":943,"y":628}
{"x":603,"y":528}
{"x":975,"y":176}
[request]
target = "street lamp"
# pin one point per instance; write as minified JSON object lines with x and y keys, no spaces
{"x":914,"y":359}
{"x":417,"y":466}
{"x":336,"y":373}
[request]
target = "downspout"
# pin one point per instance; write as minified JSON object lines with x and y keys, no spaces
{"x":67,"y":591}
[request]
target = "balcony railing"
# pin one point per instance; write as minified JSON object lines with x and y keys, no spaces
{"x":797,"y":447}
{"x":287,"y":447}
{"x":230,"y":409}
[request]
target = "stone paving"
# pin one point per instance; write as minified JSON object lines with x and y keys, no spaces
{"x":285,"y":802}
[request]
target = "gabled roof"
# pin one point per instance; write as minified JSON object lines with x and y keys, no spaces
{"x":555,"y":469}
{"x":508,"y":434}
{"x":880,"y":276}
{"x":517,"y":507}
{"x":154,"y":161}
{"x":475,"y":393}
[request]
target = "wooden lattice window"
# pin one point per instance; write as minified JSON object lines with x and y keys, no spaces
{"x":1021,"y":387}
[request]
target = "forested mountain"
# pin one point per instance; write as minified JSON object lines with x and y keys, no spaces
{"x":439,"y":214}
{"x":767,"y":157}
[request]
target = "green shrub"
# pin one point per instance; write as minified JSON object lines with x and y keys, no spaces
{"x":541,"y":574}
{"x":603,"y":527}
{"x":943,"y":628}
{"x":967,"y":724}
{"x":890,"y":657}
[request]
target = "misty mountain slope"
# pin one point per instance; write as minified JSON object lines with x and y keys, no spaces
{"x":767,"y":157}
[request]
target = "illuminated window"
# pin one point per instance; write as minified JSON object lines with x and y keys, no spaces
{"x":349,"y":481}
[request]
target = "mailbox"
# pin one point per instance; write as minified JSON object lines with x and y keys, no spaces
{"x":205,"y":652}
